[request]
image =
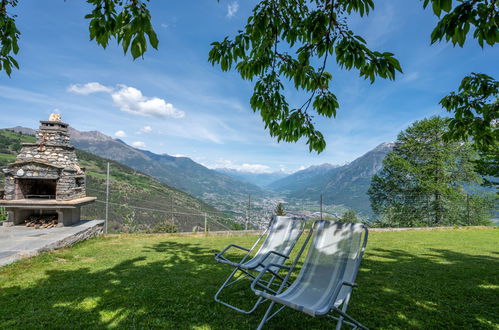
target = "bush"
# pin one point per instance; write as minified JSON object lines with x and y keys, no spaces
{"x":164,"y":227}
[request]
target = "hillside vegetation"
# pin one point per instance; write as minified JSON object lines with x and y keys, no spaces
{"x":129,"y":188}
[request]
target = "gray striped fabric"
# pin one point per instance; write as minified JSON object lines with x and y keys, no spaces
{"x":331,"y":259}
{"x":283,"y":234}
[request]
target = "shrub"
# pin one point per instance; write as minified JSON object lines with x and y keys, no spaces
{"x":164,"y":227}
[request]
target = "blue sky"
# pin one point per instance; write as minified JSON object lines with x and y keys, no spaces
{"x":173,"y":101}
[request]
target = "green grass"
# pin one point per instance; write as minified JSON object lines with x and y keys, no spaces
{"x":415,"y":279}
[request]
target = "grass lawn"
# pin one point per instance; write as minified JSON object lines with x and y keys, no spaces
{"x":413,"y":279}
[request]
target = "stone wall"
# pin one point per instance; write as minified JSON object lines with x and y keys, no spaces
{"x":52,"y":133}
{"x":52,"y":157}
{"x":62,"y":156}
{"x":68,"y":187}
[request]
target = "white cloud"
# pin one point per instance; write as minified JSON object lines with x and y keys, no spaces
{"x":410,"y":76}
{"x":131,"y":100}
{"x":179,"y":155}
{"x":232,"y":9}
{"x":146,"y":129}
{"x":245,"y":167}
{"x":120,"y":134}
{"x":139,"y":144}
{"x":254,"y":168}
{"x":89,"y":88}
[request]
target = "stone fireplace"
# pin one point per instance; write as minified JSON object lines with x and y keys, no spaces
{"x":45,"y":178}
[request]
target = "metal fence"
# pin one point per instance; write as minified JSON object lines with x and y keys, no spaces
{"x":124,"y":213}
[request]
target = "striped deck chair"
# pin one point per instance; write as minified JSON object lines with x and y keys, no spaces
{"x":324,"y":284}
{"x":280,"y":238}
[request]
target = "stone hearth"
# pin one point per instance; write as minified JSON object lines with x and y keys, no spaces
{"x":45,"y":178}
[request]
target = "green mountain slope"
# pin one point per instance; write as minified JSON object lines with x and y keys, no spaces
{"x":302,"y":179}
{"x":345,"y":185}
{"x":180,"y":172}
{"x":129,"y":187}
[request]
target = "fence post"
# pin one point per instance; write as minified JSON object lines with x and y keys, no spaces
{"x":248,"y":212}
{"x":171,"y":207}
{"x":205,"y":224}
{"x":321,"y":206}
{"x":107,"y":198}
{"x":468,"y":208}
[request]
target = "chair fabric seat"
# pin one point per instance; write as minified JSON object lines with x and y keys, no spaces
{"x":281,"y":236}
{"x":330,"y":261}
{"x":284,"y":232}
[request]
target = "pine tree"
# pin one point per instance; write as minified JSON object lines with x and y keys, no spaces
{"x":425,"y":180}
{"x":279,"y":210}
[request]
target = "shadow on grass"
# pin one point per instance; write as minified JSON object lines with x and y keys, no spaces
{"x":171,"y":285}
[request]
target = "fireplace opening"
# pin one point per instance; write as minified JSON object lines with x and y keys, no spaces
{"x":40,"y":219}
{"x":37,"y":188}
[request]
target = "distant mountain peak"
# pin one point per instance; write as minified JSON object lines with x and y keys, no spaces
{"x":341,"y":185}
{"x":323,"y":166}
{"x":384,"y":146}
{"x":23,"y":130}
{"x":88,"y":135}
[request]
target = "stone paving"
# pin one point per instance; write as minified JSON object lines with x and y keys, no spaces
{"x":19,"y":242}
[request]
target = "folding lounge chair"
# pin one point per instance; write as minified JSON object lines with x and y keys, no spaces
{"x":281,"y":236}
{"x":325,"y":281}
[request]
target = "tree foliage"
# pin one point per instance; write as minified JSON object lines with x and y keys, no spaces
{"x":279,"y":209}
{"x":476,"y":117}
{"x":426,"y":181}
{"x":476,"y":111}
{"x":475,"y":106}
{"x":479,"y":17}
{"x":349,"y":216}
{"x":127,"y":21}
{"x":9,"y":36}
{"x":282,"y":41}
{"x":488,"y":166}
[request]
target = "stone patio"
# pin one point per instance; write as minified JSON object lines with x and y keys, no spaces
{"x":19,"y":242}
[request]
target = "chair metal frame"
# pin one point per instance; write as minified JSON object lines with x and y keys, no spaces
{"x":239,"y":266}
{"x":342,"y":317}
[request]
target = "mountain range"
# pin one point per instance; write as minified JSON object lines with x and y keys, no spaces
{"x":346,"y":185}
{"x":262,"y":180}
{"x":221,"y":191}
{"x":228,"y":189}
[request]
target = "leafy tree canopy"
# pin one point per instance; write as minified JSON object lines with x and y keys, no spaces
{"x":127,"y":21}
{"x":349,"y":216}
{"x":281,"y":42}
{"x":279,"y":210}
{"x":476,"y":111}
{"x":426,"y":180}
{"x":476,"y":118}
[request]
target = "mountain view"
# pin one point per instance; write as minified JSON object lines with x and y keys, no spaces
{"x":228,"y":190}
{"x":128,"y":186}
{"x":341,"y":185}
{"x":262,"y":180}
{"x":221,"y":191}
